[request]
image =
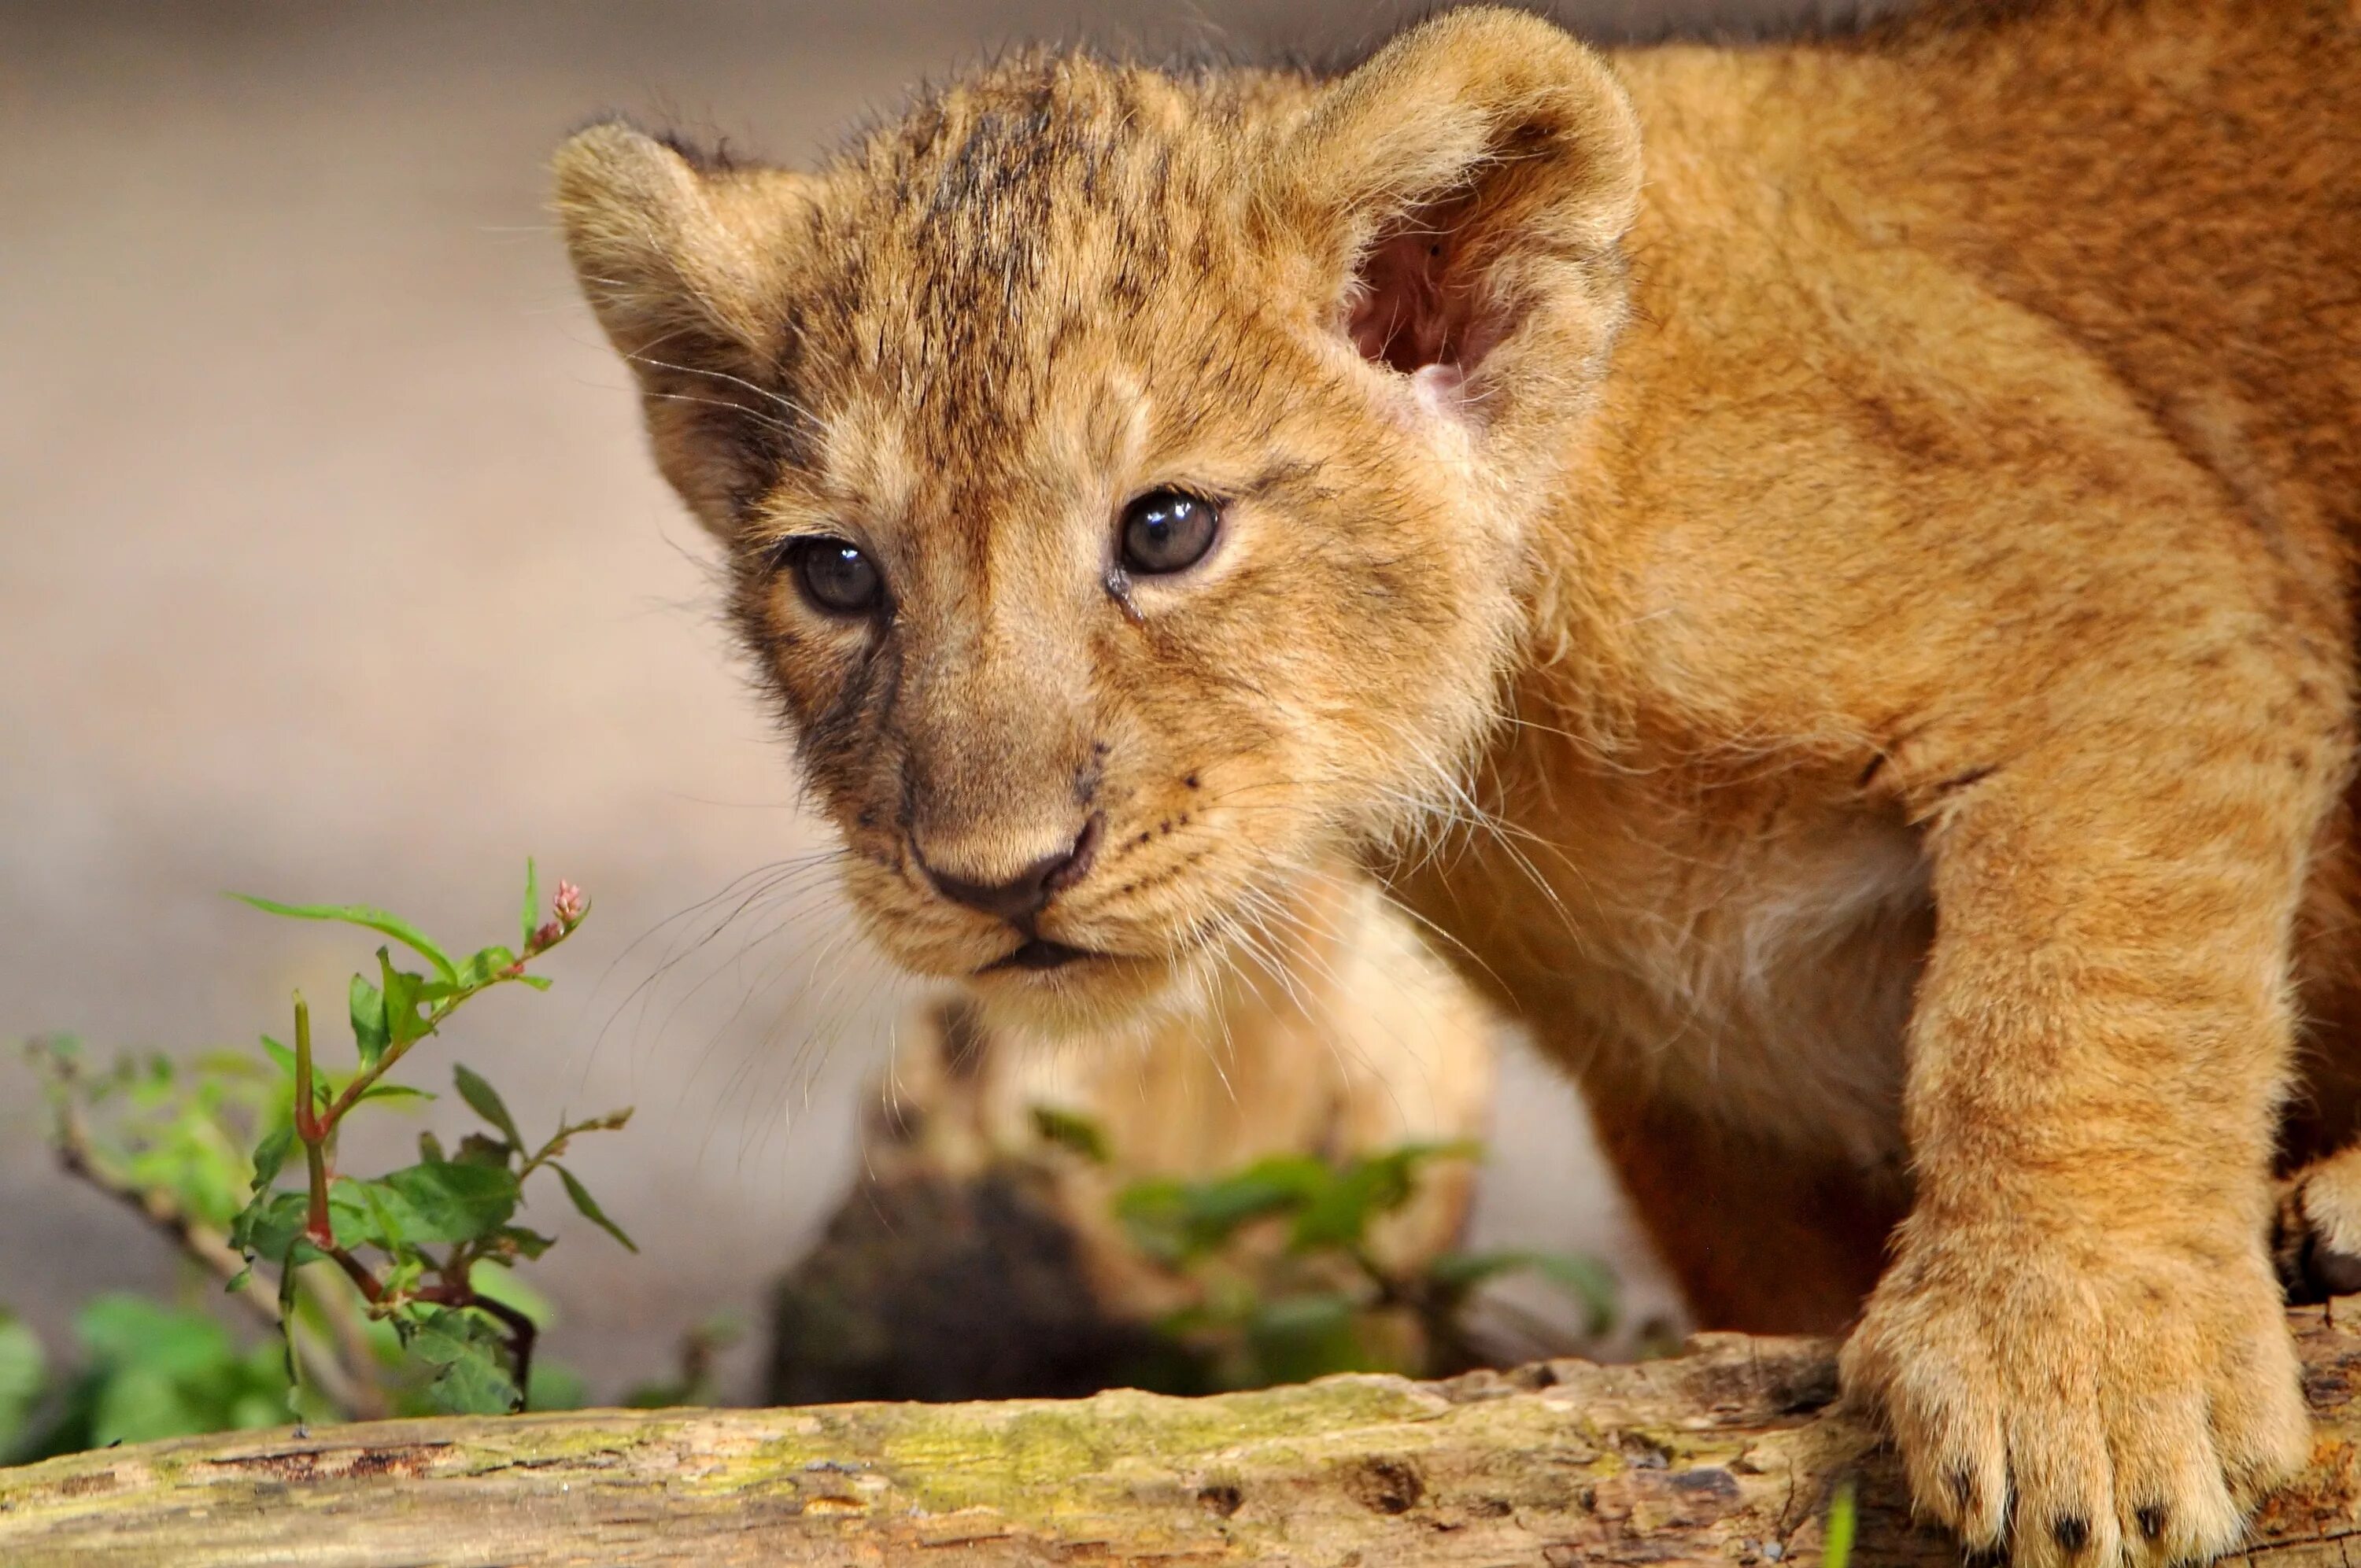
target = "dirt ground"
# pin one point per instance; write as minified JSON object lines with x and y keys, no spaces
{"x":332,"y":567}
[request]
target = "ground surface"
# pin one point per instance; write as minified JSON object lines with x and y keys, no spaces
{"x":331,"y":566}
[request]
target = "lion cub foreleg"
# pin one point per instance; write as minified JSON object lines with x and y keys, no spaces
{"x":2079,"y":1346}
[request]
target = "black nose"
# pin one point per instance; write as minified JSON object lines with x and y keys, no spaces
{"x":1019,"y":899}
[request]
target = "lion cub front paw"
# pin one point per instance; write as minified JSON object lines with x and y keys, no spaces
{"x":2092,"y":1404}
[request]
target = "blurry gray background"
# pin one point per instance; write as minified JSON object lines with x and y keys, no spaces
{"x":332,"y":567}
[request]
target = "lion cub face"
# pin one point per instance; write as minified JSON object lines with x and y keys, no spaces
{"x":1124,"y":478}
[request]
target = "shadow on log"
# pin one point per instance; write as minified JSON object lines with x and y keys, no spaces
{"x":1729,"y":1453}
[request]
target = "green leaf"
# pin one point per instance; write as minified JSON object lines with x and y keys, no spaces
{"x":474,"y":1385}
{"x":532,"y":905}
{"x":1176,"y":1219}
{"x":1586,"y":1279}
{"x":486,"y":1101}
{"x":1460,"y":1271}
{"x":483,"y":966}
{"x":589,"y":1208}
{"x":1071,"y":1131}
{"x":23,"y":1373}
{"x":401,"y":998}
{"x":353,"y":1220}
{"x":360,"y":914}
{"x":238,"y":1281}
{"x":1339,"y":1214}
{"x":139,"y":1404}
{"x":270,"y":1226}
{"x":367,"y":1009}
{"x":391,"y":1233}
{"x":120,"y":1329}
{"x":1836,"y":1549}
{"x":395,"y":1092}
{"x":1152,"y":1212}
{"x":451,"y":1202}
{"x":528,"y":1243}
{"x":280,"y":1054}
{"x":477,"y":1149}
{"x":270,"y":1154}
{"x":539,"y":983}
{"x":470,"y":1379}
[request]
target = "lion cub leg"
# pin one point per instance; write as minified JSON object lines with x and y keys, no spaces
{"x":1761,"y":1237}
{"x":2080,"y":1347}
{"x":2316,"y":1239}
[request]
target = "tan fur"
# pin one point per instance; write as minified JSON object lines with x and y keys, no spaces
{"x":1866,"y":578}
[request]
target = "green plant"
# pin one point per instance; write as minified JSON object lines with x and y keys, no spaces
{"x":418,"y":1308}
{"x":1837,"y":1549}
{"x":23,"y":1373}
{"x":150,"y":1371}
{"x":1287,"y":1285}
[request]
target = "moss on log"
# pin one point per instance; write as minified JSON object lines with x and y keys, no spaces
{"x":1729,"y":1453}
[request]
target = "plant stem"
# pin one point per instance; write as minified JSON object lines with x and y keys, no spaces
{"x":358,"y":1273}
{"x":367,"y":1078}
{"x":522,"y":1333}
{"x":317,"y":1227}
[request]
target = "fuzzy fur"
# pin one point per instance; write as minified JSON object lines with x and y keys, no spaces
{"x":1822,"y":571}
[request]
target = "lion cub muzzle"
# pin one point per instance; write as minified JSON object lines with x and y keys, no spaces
{"x":1020,"y":899}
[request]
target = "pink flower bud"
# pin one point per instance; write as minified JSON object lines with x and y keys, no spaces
{"x":549,"y":932}
{"x":569,"y":905}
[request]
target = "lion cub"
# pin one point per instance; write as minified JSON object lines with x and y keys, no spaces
{"x":1856,"y":534}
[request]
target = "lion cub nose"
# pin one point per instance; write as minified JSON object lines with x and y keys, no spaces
{"x":1023,"y":897}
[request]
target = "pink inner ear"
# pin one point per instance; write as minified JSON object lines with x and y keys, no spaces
{"x":1412,"y":309}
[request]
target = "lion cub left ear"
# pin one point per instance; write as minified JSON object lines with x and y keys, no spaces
{"x":689,"y":262}
{"x":1465,"y":192}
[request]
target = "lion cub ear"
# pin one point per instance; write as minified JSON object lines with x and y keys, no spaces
{"x":1465,"y":192}
{"x":687,"y":262}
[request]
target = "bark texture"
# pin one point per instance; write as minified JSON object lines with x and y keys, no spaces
{"x":1729,"y":1453}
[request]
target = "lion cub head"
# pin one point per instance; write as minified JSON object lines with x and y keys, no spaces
{"x":1125,"y":477}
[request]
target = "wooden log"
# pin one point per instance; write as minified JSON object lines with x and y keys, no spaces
{"x":1729,"y":1453}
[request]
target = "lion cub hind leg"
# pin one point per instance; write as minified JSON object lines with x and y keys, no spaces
{"x":2316,"y":1235}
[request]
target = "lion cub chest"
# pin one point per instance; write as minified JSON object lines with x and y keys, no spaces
{"x":1746,"y":949}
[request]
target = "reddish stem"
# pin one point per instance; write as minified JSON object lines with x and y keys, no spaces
{"x":318,"y":1228}
{"x":357,"y":1272}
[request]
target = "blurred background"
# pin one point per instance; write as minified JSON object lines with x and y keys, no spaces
{"x":332,"y":567}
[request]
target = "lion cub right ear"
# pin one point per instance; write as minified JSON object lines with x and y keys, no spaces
{"x":1463,"y":193}
{"x":686,"y":261}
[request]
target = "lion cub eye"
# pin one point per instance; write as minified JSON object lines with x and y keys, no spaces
{"x":1166,"y":531}
{"x":836,"y":577}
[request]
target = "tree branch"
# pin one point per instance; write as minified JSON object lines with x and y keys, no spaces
{"x":1727,"y":1454}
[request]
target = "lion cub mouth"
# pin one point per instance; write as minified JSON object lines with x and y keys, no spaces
{"x":1039,"y":953}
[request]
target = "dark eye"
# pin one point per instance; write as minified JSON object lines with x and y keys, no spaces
{"x":1166,"y":530}
{"x":836,"y":577}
